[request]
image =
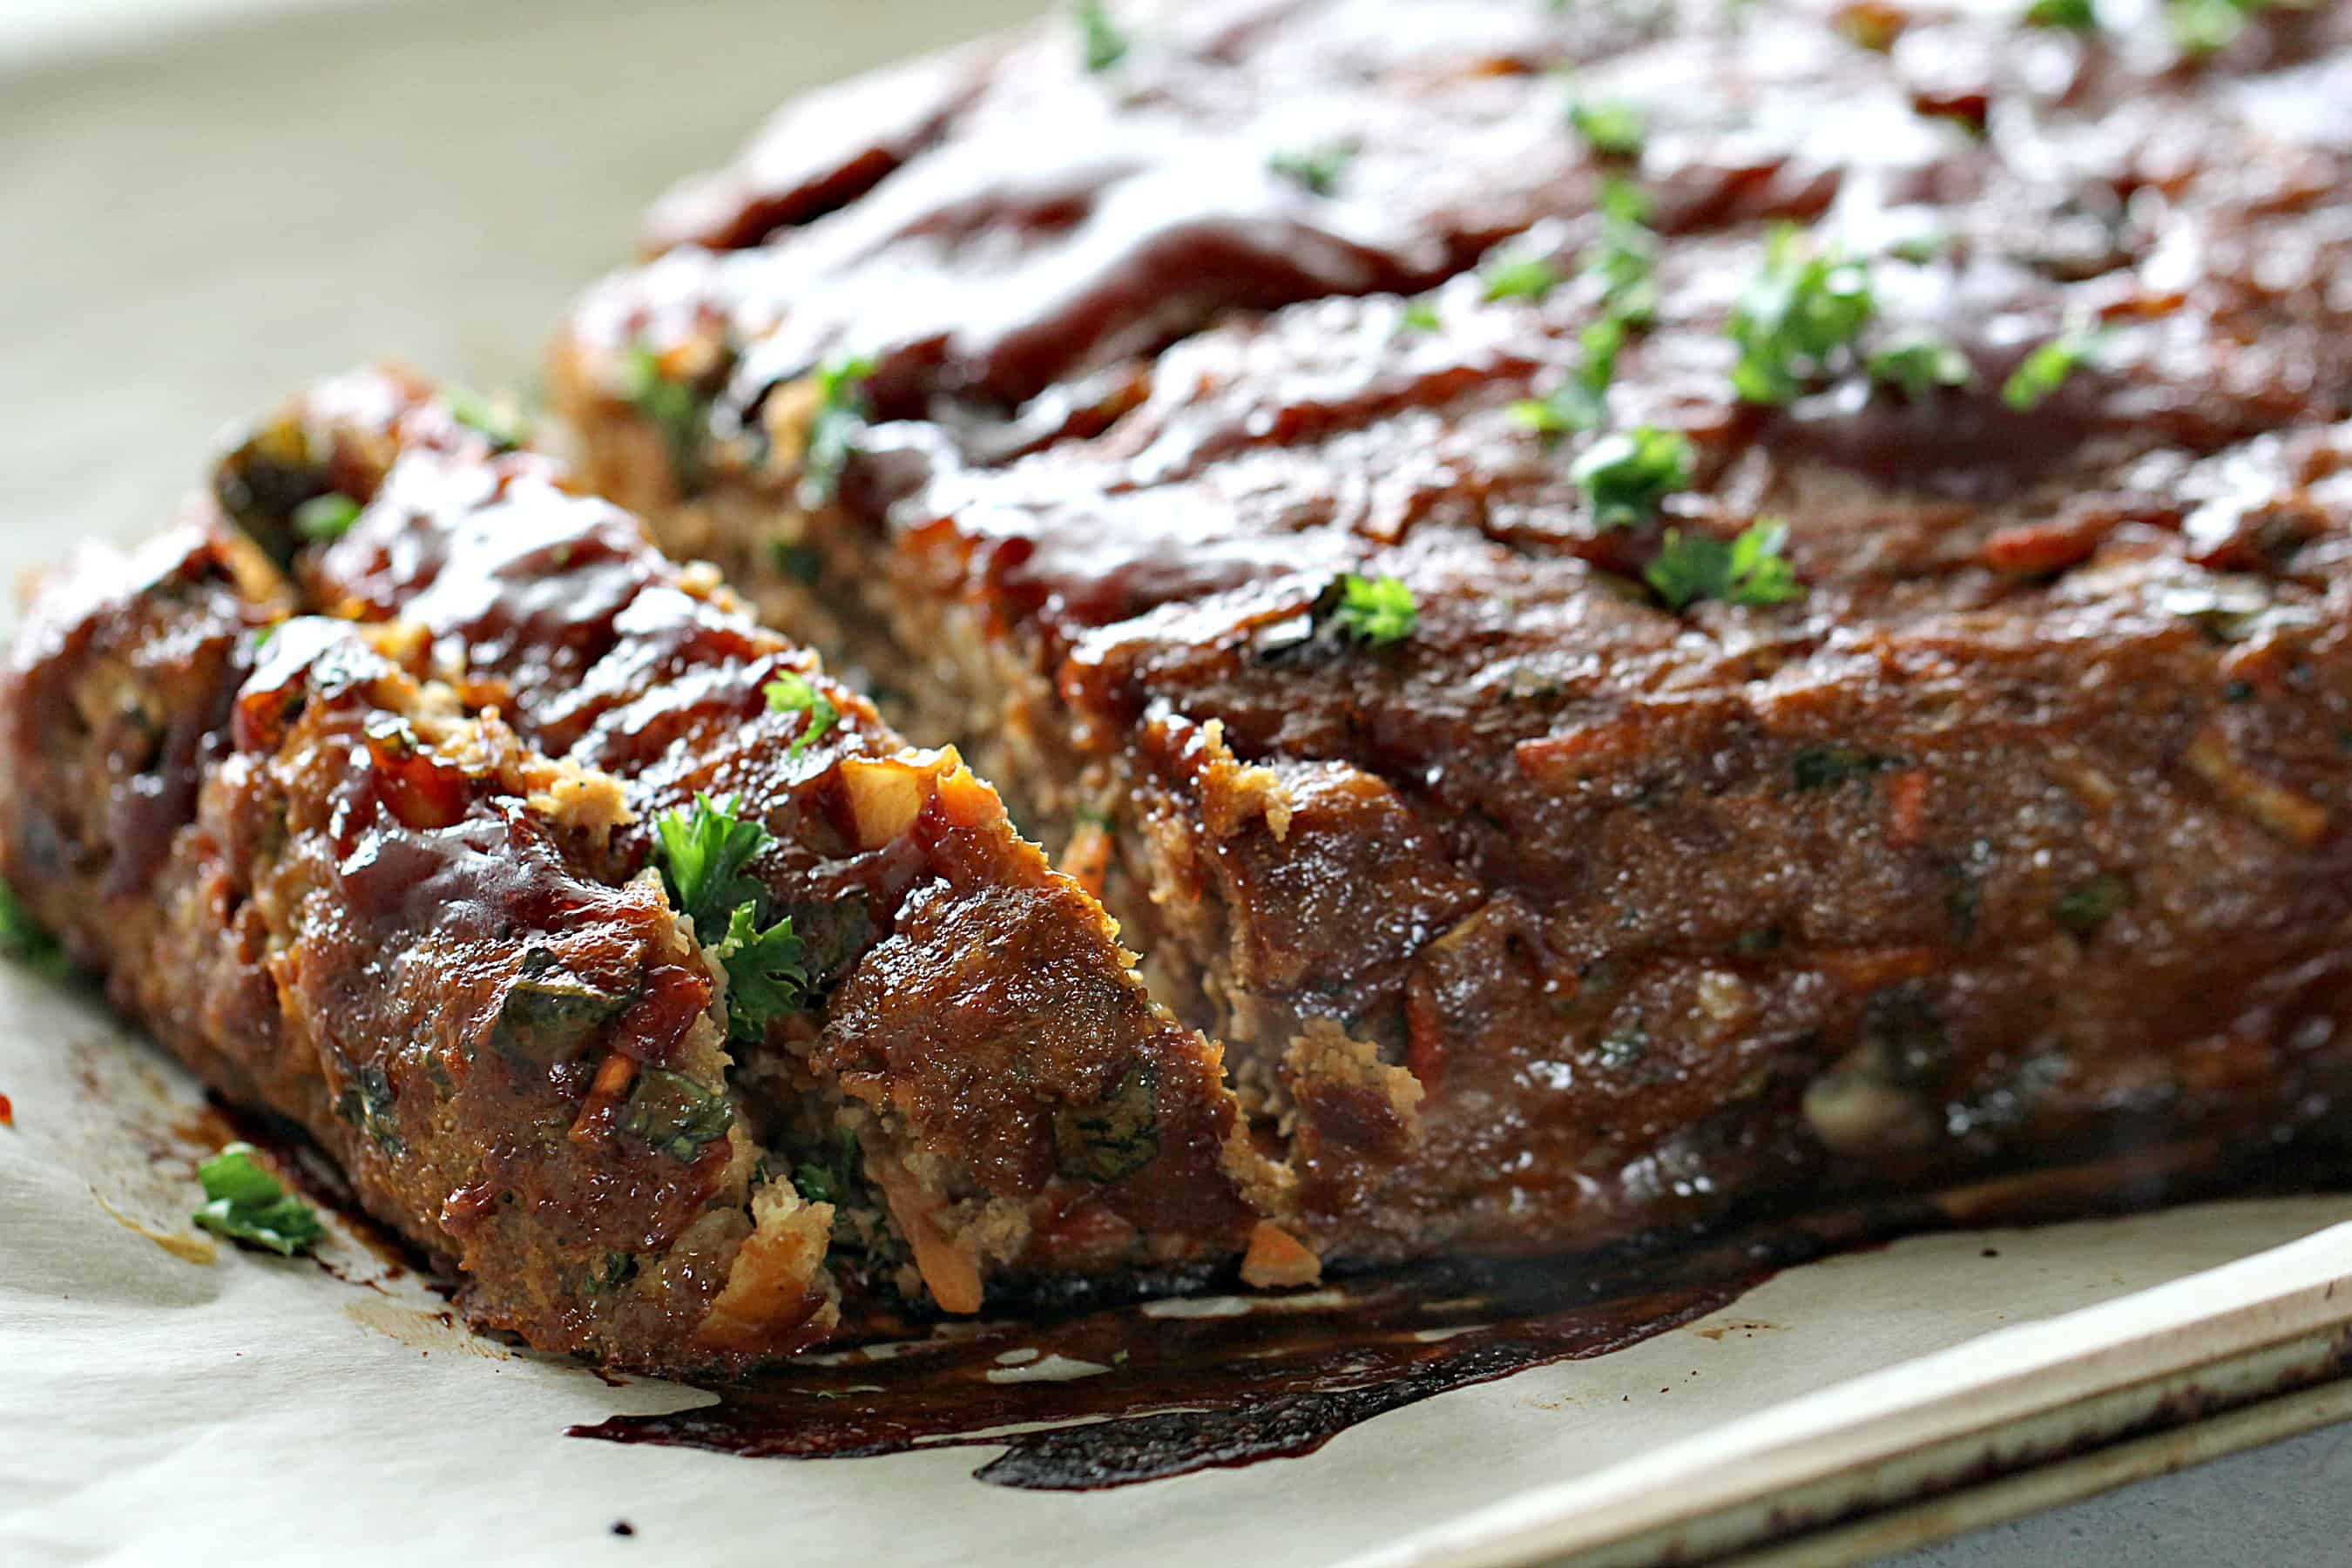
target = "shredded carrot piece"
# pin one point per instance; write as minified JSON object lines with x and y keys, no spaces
{"x":949,"y":1274}
{"x":1276,"y":1257}
{"x":613,"y":1076}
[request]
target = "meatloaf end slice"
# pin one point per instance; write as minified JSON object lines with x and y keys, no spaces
{"x":1019,"y":1112}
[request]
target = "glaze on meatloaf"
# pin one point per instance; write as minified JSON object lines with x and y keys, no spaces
{"x":1768,"y":618}
{"x":401,"y":870}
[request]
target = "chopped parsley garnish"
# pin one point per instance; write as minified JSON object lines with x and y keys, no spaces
{"x":1317,"y":169}
{"x":767,"y":974}
{"x":618,"y":1270}
{"x":1375,"y":610}
{"x":1519,"y":278}
{"x":2089,"y":904}
{"x":1612,"y":128}
{"x":1625,"y":257}
{"x":246,"y":1203}
{"x":672,"y":1114}
{"x":792,"y":694}
{"x":1419,"y":316}
{"x":1629,"y":472}
{"x":1101,"y":44}
{"x":24,"y":938}
{"x":1623,"y":201}
{"x":841,"y":413}
{"x":503,"y":428}
{"x":368,"y":1105}
{"x":2203,"y":27}
{"x":2045,"y":370}
{"x":1919,"y":363}
{"x":1114,"y":1137}
{"x":673,"y":407}
{"x":702,"y":854}
{"x":1748,"y":569}
{"x":831,"y":1176}
{"x":322,"y":519}
{"x":2061,"y":14}
{"x":1804,"y":307}
{"x":1581,"y":402}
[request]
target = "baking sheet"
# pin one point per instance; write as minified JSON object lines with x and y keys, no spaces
{"x":199,"y":221}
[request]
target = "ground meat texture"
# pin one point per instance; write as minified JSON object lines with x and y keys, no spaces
{"x":2020,"y":834}
{"x":343,"y":899}
{"x":1016,"y":1106}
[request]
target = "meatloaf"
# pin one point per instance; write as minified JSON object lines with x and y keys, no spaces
{"x":1644,"y":608}
{"x":625,"y":961}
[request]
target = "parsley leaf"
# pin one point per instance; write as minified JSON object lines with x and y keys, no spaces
{"x":2045,"y":370}
{"x":821,"y":1179}
{"x":1629,"y":472}
{"x":841,"y":413}
{"x":1919,"y":363}
{"x":1375,"y":610}
{"x":246,"y":1203}
{"x":1581,"y":402}
{"x":1801,"y":309}
{"x":2061,"y":14}
{"x":794,"y":693}
{"x":24,"y":938}
{"x":1624,"y":260}
{"x":672,"y":1114}
{"x":1623,"y":201}
{"x":2203,"y":27}
{"x":1519,"y":277}
{"x":766,"y":975}
{"x":504,"y":428}
{"x":673,"y":407}
{"x":322,"y":519}
{"x":1419,"y":316}
{"x":1101,"y":44}
{"x":1612,"y":128}
{"x":702,"y":853}
{"x":1748,"y":569}
{"x":1317,"y":169}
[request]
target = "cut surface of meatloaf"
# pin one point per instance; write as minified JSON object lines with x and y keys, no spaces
{"x":2008,"y":828}
{"x":340,"y":897}
{"x":406,"y":870}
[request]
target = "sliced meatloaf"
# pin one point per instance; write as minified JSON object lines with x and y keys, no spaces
{"x":626,"y":960}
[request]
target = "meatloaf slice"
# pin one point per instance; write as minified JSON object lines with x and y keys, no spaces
{"x":1021,"y":1108}
{"x":625,"y":961}
{"x":1856,"y":705}
{"x":339,"y":896}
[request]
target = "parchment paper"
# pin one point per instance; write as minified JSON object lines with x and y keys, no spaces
{"x":195,"y":226}
{"x":162,"y":1409}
